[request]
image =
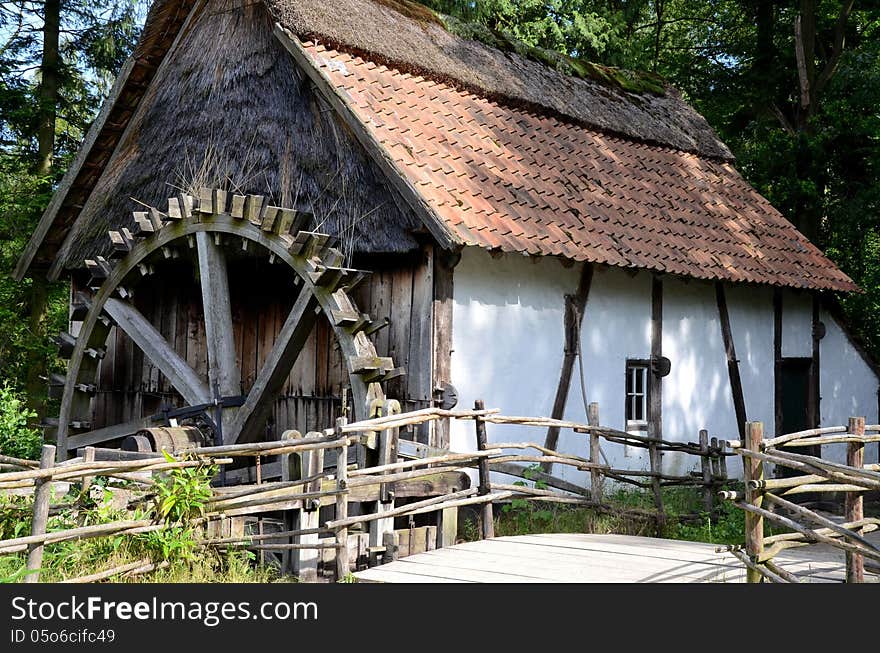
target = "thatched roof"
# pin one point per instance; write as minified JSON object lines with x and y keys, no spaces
{"x":420,"y":128}
{"x":375,"y":31}
{"x":236,"y":112}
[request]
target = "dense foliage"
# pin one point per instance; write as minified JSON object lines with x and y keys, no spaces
{"x":57,"y":59}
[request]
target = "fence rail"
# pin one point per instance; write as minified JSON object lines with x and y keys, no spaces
{"x":305,"y":484}
{"x":816,"y":475}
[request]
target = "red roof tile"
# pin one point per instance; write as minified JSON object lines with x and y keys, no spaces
{"x":502,"y":178}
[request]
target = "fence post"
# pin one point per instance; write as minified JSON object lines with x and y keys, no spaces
{"x":42,"y":494}
{"x":753,"y":470}
{"x":854,"y":501}
{"x":596,"y":482}
{"x":388,"y":447}
{"x":706,"y":465}
{"x":719,"y":460}
{"x":342,"y":566}
{"x":488,"y":519}
{"x":88,"y":457}
{"x":304,"y":562}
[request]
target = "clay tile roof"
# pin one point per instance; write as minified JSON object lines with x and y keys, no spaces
{"x":504,"y":178}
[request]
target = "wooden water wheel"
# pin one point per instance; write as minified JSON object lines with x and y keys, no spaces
{"x":207,"y":227}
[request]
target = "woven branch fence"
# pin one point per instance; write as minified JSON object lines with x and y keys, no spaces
{"x":771,"y":499}
{"x":306,"y":484}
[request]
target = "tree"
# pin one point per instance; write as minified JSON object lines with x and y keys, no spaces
{"x":56,"y":59}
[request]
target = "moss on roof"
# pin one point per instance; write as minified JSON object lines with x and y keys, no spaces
{"x":626,"y":80}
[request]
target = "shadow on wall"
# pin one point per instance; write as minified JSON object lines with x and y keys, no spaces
{"x":696,"y":394}
{"x":508,"y":334}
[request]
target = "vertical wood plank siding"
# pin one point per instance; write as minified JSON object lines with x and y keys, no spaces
{"x":262,"y":294}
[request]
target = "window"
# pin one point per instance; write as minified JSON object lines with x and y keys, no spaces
{"x":637,"y":395}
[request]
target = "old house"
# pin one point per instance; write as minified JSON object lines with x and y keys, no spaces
{"x":514,"y":208}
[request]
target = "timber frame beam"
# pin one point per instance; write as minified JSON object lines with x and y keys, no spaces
{"x":736,"y":388}
{"x":575,"y":305}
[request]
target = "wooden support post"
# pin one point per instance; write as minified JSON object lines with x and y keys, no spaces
{"x":342,"y":566}
{"x":88,"y":457}
{"x":258,"y":465}
{"x":706,"y":465}
{"x":388,"y":447}
{"x":854,"y":501}
{"x":597,"y":490}
{"x":392,"y":550}
{"x":655,"y":400}
{"x":42,"y":495}
{"x":739,"y":404}
{"x":575,"y":306}
{"x":444,"y":264}
{"x":777,"y":361}
{"x":488,"y":519}
{"x":447,"y":527}
{"x":291,"y":468}
{"x":753,"y":470}
{"x":305,"y":561}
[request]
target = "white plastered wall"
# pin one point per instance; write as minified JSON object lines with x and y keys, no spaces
{"x":508,"y":340}
{"x":847,"y":385}
{"x":696,"y":393}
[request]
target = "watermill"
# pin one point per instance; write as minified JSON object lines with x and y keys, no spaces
{"x":207,"y":232}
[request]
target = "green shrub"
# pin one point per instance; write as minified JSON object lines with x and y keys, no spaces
{"x":184,"y":492}
{"x":16,"y":437}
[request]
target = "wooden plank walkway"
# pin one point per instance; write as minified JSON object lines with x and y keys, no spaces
{"x":584,"y":558}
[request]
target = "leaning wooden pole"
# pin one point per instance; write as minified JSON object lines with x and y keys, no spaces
{"x":42,"y":495}
{"x":488,"y":519}
{"x":753,"y":470}
{"x":574,"y":315}
{"x":854,"y":501}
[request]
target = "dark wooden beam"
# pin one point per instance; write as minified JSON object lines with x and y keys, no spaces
{"x":655,"y":385}
{"x":739,"y":404}
{"x":575,"y":305}
{"x":444,"y":266}
{"x":777,"y":361}
{"x":156,"y":349}
{"x":248,"y":420}
{"x":814,"y":406}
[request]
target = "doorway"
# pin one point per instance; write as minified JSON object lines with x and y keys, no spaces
{"x":794,"y":409}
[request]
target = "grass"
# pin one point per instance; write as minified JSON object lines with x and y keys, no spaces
{"x":625,"y":515}
{"x":179,"y":496}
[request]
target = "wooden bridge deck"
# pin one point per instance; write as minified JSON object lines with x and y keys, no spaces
{"x":577,"y":558}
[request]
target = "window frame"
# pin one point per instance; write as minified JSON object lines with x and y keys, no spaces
{"x":635,"y":425}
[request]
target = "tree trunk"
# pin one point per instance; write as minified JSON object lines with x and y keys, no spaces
{"x":48,"y":86}
{"x":35,"y":384}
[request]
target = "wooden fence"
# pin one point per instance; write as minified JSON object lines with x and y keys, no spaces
{"x":306,"y":484}
{"x":815,"y":476}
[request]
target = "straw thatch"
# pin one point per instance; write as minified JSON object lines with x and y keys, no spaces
{"x":230,"y":108}
{"x":377,"y":32}
{"x":220,"y":101}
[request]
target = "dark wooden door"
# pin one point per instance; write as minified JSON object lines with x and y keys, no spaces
{"x":795,"y":412}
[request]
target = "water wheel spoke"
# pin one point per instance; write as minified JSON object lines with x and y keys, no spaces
{"x":275,"y":370}
{"x":138,"y":328}
{"x":222,"y":369}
